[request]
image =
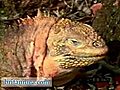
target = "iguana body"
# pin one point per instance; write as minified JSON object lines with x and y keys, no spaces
{"x":48,"y":46}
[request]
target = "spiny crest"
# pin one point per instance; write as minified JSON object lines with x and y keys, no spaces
{"x":28,"y":17}
{"x":25,"y":21}
{"x":39,"y":14}
{"x":28,"y":20}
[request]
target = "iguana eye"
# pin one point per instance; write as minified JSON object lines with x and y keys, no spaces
{"x":74,"y":42}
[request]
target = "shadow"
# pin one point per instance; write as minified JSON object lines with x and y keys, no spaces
{"x":114,"y":52}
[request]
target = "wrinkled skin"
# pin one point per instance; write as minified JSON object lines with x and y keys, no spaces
{"x":49,"y":47}
{"x":35,"y":47}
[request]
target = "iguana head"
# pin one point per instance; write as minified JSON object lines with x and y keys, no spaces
{"x":74,"y":44}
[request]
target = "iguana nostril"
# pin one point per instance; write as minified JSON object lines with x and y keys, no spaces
{"x":97,"y":44}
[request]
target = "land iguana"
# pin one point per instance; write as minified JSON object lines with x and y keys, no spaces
{"x":49,"y":47}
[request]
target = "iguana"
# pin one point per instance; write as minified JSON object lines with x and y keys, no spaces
{"x":47,"y":46}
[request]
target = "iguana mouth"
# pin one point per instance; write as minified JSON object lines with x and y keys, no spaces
{"x":70,"y":61}
{"x":69,"y":55}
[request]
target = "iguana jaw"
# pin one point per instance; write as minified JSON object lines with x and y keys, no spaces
{"x":70,"y":61}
